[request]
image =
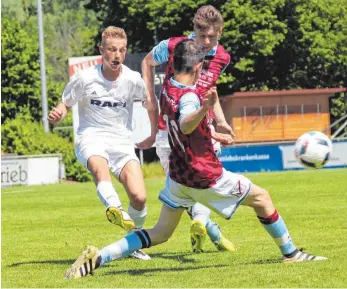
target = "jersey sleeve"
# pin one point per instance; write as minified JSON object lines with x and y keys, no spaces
{"x":161,"y":52}
{"x":189,"y":103}
{"x":140,"y":90}
{"x":73,"y":92}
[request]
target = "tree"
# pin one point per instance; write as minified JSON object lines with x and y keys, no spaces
{"x":20,"y":72}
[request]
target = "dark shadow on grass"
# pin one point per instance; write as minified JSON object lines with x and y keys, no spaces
{"x":53,"y":262}
{"x":266,"y":261}
{"x":181,"y":258}
{"x":136,"y":272}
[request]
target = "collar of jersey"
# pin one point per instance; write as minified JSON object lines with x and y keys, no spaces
{"x":212,"y":52}
{"x":99,"y":67}
{"x":180,"y":85}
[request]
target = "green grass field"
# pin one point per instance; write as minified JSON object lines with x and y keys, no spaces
{"x":44,"y":228}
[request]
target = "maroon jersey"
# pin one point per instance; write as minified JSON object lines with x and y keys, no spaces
{"x":193,"y":162}
{"x":212,"y":68}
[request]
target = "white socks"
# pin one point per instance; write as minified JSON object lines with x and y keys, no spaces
{"x":138,"y":217}
{"x":201,"y":213}
{"x":108,"y":195}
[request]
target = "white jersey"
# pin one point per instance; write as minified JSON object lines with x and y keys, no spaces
{"x":105,"y":107}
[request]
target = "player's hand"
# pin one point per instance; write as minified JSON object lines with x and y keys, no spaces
{"x":210,"y":98}
{"x":146,"y":143}
{"x":223,"y":127}
{"x":223,"y":138}
{"x":55,"y":116}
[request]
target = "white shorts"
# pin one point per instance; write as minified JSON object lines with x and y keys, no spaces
{"x":118,"y":152}
{"x":162,"y":148}
{"x":223,"y":198}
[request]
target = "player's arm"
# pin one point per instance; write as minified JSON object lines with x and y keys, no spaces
{"x":158,"y":55}
{"x":58,"y":113}
{"x":71,"y":95}
{"x":151,"y":104}
{"x":191,"y":113}
{"x":221,"y":123}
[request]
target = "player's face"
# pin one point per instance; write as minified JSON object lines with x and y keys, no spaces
{"x":113,"y":52}
{"x":208,"y":38}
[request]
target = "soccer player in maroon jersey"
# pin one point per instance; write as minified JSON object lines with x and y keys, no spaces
{"x":196,"y":174}
{"x":208,"y":26}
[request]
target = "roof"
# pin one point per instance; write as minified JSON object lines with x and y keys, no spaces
{"x":291,"y":92}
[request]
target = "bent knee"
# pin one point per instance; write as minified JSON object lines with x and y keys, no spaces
{"x":138,"y":202}
{"x":259,"y":197}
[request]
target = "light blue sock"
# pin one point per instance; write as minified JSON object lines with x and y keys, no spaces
{"x":277,"y":229}
{"x":213,"y":231}
{"x":125,"y":246}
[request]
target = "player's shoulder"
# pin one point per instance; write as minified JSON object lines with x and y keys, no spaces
{"x":222,"y":54}
{"x":174,"y":40}
{"x":89,"y":73}
{"x":131,"y":75}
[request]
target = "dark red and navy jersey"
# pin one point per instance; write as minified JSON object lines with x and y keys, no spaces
{"x":214,"y":64}
{"x":193,"y":162}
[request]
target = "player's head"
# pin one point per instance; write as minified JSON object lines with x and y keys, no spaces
{"x":113,"y":47}
{"x":208,"y":26}
{"x":188,"y":58}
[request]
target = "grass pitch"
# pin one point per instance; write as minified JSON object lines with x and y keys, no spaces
{"x":44,"y":229}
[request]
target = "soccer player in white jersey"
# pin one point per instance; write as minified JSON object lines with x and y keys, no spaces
{"x":208,"y":26}
{"x":105,"y":94}
{"x":203,"y":180}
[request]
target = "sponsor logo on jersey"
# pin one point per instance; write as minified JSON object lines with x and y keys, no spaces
{"x":107,"y":103}
{"x":170,"y":101}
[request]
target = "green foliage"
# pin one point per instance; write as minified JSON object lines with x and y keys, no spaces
{"x":23,"y":137}
{"x":20,"y":72}
{"x":69,"y":30}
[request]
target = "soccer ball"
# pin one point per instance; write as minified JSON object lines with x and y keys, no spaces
{"x":313,"y":149}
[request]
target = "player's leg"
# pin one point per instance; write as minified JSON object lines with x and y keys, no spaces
{"x":200,"y":215}
{"x":163,"y":151}
{"x":92,"y":258}
{"x":260,"y":200}
{"x":92,"y":153}
{"x":131,"y":178}
{"x":126,"y":167}
{"x":98,"y":166}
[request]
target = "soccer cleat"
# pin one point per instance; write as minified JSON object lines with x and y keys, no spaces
{"x":224,"y":244}
{"x":302,"y":256}
{"x":85,"y":264}
{"x":120,"y":217}
{"x":139,"y":254}
{"x":197,"y":235}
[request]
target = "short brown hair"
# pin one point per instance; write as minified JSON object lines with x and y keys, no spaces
{"x":113,"y":32}
{"x":207,"y":16}
{"x":187,"y":54}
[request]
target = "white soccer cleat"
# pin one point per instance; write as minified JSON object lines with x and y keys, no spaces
{"x":302,"y":256}
{"x":120,"y":218}
{"x":139,"y":254}
{"x":85,"y":264}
